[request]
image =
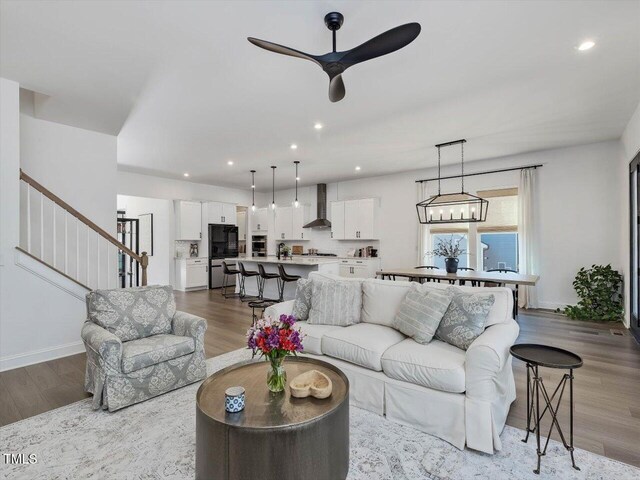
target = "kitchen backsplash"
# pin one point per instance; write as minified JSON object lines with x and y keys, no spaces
{"x":340,"y":248}
{"x":183,"y":249}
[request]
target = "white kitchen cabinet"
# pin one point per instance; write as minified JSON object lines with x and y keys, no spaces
{"x":354,"y":219}
{"x":221,"y":213}
{"x":359,"y":267}
{"x":300,"y":218}
{"x":242,"y":225}
{"x":192,"y":273}
{"x":260,"y":220}
{"x":337,"y":220}
{"x":188,"y":220}
{"x":284,"y":223}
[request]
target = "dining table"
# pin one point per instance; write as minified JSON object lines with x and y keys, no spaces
{"x":462,"y":277}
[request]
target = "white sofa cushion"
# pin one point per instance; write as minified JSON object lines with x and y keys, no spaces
{"x":362,"y":344}
{"x":436,"y":365}
{"x":502,"y":310}
{"x":381,"y":300}
{"x":312,"y":340}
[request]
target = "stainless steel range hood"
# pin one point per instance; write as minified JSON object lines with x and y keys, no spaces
{"x":321,"y":203}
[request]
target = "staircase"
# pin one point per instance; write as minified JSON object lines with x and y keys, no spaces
{"x":56,"y":235}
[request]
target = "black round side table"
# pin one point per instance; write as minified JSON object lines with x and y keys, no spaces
{"x":551,"y":357}
{"x":259,"y":305}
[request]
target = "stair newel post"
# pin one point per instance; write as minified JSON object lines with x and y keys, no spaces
{"x":144,"y":261}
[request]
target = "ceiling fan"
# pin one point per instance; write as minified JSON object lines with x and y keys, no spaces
{"x":334,"y":63}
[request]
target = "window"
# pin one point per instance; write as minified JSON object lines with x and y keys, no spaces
{"x":498,"y":236}
{"x":464,"y":244}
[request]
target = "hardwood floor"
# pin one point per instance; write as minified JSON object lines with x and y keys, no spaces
{"x":607,"y":387}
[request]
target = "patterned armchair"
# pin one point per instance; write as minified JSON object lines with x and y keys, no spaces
{"x":139,"y":346}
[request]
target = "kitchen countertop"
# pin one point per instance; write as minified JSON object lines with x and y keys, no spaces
{"x":191,"y":258}
{"x":296,"y":260}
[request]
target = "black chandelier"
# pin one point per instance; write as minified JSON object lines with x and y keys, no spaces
{"x":459,"y":207}
{"x":296,"y":204}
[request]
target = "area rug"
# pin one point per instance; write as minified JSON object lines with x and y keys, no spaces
{"x":156,"y":440}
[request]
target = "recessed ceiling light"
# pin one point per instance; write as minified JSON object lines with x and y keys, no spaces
{"x":357,"y":169}
{"x":230,"y":162}
{"x":185,"y":174}
{"x":294,"y":146}
{"x":588,"y":45}
{"x":318,"y":126}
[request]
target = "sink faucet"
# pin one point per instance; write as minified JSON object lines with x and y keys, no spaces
{"x":280,"y":245}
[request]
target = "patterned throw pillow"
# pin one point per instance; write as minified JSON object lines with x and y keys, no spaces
{"x":302,"y":302}
{"x":335,"y":303}
{"x":420,"y":313}
{"x":133,"y":313}
{"x":464,"y":320}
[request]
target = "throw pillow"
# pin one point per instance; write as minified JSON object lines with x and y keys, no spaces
{"x":133,"y":313}
{"x":420,"y":313}
{"x":465,"y":318}
{"x":302,"y":302}
{"x":335,"y":303}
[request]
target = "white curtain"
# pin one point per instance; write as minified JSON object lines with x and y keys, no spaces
{"x":528,"y":263}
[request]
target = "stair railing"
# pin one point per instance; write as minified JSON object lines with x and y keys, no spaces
{"x":40,"y":238}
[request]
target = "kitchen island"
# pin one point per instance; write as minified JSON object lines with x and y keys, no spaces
{"x":296,"y":265}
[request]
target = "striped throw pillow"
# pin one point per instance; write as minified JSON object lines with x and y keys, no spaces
{"x":420,"y":313}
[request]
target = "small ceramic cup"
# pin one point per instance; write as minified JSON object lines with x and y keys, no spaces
{"x":234,"y":399}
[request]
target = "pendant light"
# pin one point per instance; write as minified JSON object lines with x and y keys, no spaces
{"x":253,"y":190}
{"x":273,"y":187}
{"x":452,"y":207}
{"x":296,"y":204}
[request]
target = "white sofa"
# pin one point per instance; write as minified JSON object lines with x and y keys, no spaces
{"x":461,"y":397}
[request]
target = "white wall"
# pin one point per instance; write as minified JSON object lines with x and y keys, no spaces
{"x":577,"y":211}
{"x":41,"y":313}
{"x":630,"y":148}
{"x":160,"y":267}
{"x":79,"y":166}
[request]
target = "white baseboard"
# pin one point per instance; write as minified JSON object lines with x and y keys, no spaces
{"x":36,"y":356}
{"x":551,"y":305}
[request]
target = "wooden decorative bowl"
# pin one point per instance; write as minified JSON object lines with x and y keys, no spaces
{"x":313,"y":383}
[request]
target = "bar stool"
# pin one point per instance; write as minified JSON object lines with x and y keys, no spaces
{"x":227,"y":272}
{"x":284,"y":278}
{"x":264,"y":276}
{"x":244,"y":273}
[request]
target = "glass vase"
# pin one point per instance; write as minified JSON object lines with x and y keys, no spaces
{"x":276,"y":376}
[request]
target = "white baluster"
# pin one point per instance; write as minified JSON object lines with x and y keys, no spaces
{"x":53,"y":227}
{"x":77,"y":249}
{"x":66,"y":243}
{"x":88,"y":231}
{"x":41,"y":227}
{"x":28,"y":218}
{"x":98,"y":260}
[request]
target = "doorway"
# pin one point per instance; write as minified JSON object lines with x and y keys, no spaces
{"x":634,"y":231}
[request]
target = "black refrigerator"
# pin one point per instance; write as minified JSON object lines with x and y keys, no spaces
{"x":223,"y":243}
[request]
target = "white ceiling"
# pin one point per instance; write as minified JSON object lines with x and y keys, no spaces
{"x":185,"y":91}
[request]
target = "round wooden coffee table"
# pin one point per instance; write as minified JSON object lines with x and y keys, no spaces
{"x":276,"y":436}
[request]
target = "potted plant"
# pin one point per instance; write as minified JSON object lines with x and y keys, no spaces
{"x":600,"y":291}
{"x":450,"y":250}
{"x":275,"y":340}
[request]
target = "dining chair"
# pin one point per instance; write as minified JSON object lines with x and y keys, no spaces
{"x":474,"y":283}
{"x":500,"y":270}
{"x":428,"y":267}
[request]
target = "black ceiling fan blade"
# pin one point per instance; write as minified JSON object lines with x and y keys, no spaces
{"x":274,"y":47}
{"x":385,"y":43}
{"x":336,"y":88}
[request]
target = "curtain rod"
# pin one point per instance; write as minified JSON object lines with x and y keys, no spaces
{"x":526,"y":167}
